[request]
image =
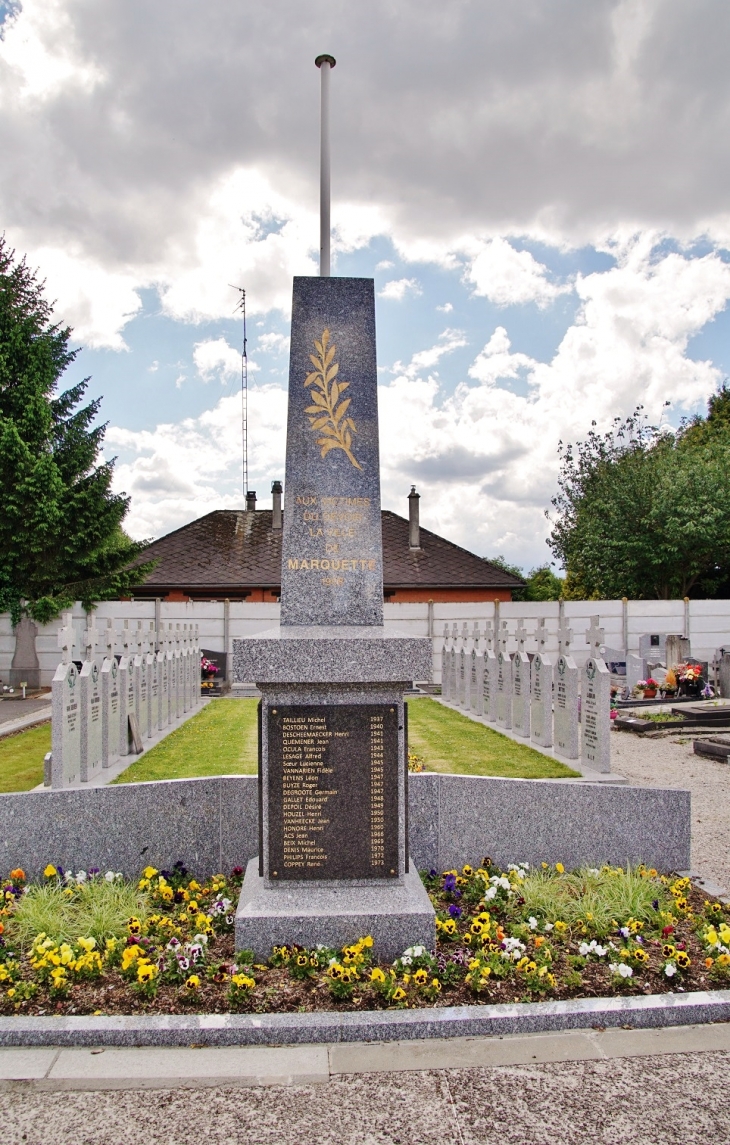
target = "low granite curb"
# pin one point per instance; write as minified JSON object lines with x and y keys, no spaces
{"x":647,"y":1012}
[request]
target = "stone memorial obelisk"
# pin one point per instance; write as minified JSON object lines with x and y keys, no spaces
{"x":333,"y":862}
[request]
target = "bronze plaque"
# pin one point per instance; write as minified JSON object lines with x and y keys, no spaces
{"x":333,"y":791}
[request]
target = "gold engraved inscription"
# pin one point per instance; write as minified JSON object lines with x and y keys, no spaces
{"x":328,"y":414}
{"x":305,"y":740}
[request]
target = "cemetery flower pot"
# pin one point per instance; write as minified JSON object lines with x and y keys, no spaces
{"x":649,"y":693}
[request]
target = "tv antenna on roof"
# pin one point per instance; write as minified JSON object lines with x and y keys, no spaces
{"x":244,"y":390}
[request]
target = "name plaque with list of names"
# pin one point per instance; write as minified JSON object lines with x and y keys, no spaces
{"x":333,"y":791}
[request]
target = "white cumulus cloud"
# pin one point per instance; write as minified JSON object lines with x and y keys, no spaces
{"x":507,"y":276}
{"x":215,"y":358}
{"x":397,"y":288}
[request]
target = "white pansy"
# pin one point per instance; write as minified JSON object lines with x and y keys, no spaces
{"x":621,"y":969}
{"x":532,"y":921}
{"x":670,"y":969}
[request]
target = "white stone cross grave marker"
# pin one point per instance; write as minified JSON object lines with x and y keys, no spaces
{"x":65,"y":713}
{"x":163,"y":685}
{"x":565,"y":718}
{"x":445,"y":665}
{"x":489,"y":674}
{"x":196,"y":668}
{"x":153,"y":685}
{"x":90,"y":701}
{"x":127,"y":697}
{"x":596,"y":704}
{"x":541,"y":691}
{"x":521,"y":684}
{"x":141,"y":681}
{"x":110,"y":697}
{"x":504,"y":679}
{"x":476,"y":680}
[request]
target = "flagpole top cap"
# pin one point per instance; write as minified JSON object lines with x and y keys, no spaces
{"x":325,"y":60}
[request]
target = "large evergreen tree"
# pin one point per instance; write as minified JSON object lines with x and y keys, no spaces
{"x":646,"y":513}
{"x":61,"y":536}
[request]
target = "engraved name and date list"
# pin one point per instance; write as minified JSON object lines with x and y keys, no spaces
{"x":333,"y":791}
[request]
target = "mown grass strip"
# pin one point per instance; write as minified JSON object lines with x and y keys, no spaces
{"x":450,"y":742}
{"x":21,"y":758}
{"x":220,"y":740}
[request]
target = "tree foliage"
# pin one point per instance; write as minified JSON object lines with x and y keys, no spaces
{"x":643,"y":512}
{"x":61,"y":536}
{"x":539,"y":584}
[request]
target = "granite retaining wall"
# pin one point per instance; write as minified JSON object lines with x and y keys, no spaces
{"x":212,"y":824}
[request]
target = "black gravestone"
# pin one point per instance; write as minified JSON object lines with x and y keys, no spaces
{"x":333,"y":791}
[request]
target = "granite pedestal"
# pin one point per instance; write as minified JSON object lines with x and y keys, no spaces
{"x":398,"y":915}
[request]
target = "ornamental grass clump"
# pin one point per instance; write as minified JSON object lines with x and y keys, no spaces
{"x":67,"y":905}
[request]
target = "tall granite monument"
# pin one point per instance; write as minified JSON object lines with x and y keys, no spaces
{"x":333,"y":862}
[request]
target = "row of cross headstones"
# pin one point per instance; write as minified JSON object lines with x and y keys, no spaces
{"x":533,"y":697}
{"x":133,"y":683}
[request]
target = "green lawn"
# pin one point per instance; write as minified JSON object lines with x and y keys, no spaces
{"x":451,"y":742}
{"x":220,"y":740}
{"x":21,"y":758}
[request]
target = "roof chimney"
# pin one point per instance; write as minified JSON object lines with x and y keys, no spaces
{"x":250,"y":500}
{"x":414,"y":531}
{"x":276,"y":499}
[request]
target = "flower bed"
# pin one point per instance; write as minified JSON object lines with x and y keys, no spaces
{"x":502,"y":936}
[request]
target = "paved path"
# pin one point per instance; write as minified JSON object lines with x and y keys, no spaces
{"x":652,"y":1086}
{"x":15,"y":715}
{"x":670,"y":762}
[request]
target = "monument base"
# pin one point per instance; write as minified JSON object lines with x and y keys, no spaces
{"x":396,"y":915}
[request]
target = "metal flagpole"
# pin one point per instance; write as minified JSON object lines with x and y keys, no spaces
{"x":244,"y":391}
{"x":325,"y":65}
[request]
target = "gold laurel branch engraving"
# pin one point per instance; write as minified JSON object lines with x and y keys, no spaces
{"x":328,"y":414}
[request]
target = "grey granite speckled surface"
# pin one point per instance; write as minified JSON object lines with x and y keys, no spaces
{"x":396,"y":915}
{"x":212,"y":824}
{"x":332,"y":512}
{"x":329,"y":660}
{"x":646,"y":1012}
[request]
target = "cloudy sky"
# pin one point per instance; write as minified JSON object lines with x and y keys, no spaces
{"x":539,"y":190}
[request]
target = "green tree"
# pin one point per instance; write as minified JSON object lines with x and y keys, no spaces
{"x":643,"y":512}
{"x":543,"y":584}
{"x":518,"y":592}
{"x":61,"y":536}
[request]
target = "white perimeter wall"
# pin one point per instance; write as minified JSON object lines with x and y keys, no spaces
{"x":706,"y":622}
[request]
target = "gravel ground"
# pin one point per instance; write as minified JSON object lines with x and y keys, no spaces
{"x":670,"y":762}
{"x":654,"y":1100}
